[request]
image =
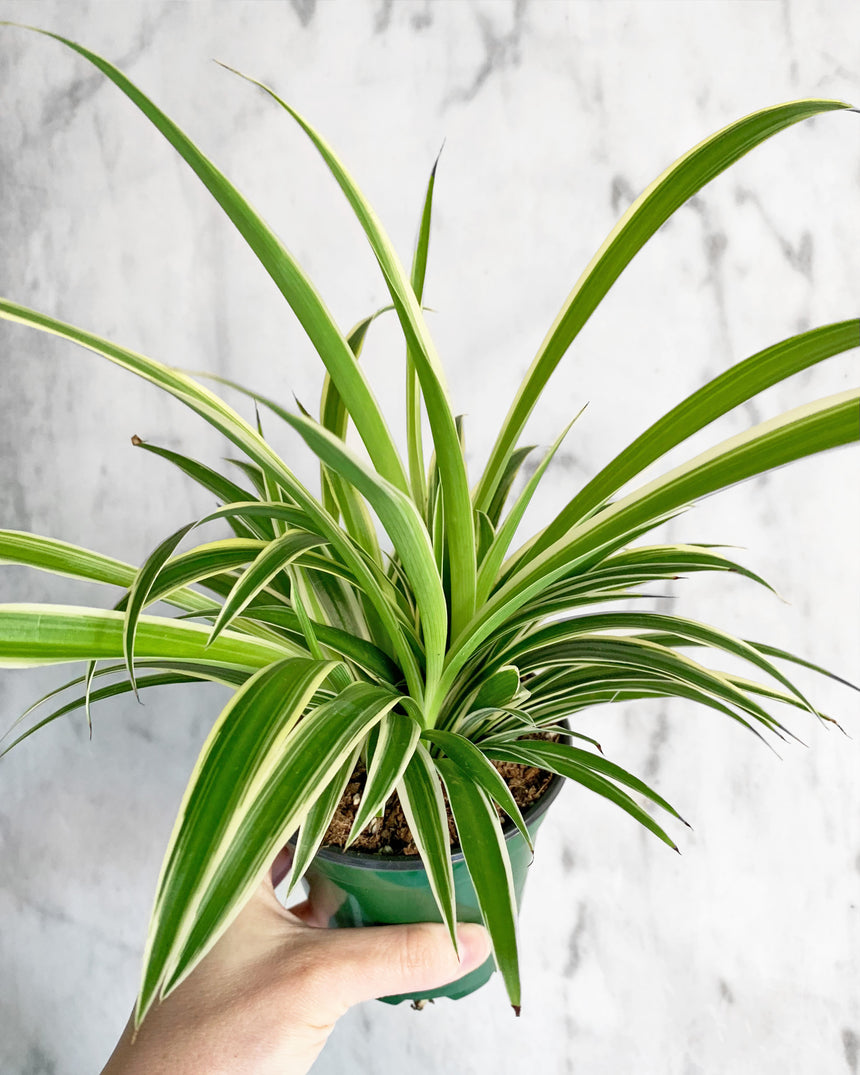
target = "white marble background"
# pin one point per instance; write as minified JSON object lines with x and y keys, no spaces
{"x":739,"y":957}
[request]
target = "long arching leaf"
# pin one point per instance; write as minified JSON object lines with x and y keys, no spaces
{"x":633,"y":619}
{"x":415,"y":450}
{"x":217,"y":413}
{"x":283,"y":269}
{"x":396,"y":742}
{"x":74,"y":561}
{"x":473,"y":766}
{"x":274,"y":778}
{"x":313,"y":830}
{"x":273,"y":558}
{"x":717,"y":397}
{"x":804,"y":431}
{"x":450,"y":461}
{"x":424,"y":807}
{"x":497,"y":551}
{"x":238,"y":753}
{"x":226,"y":491}
{"x":563,"y":763}
{"x":405,"y":528}
{"x":35,"y":635}
{"x":642,"y":219}
{"x":489,"y":866}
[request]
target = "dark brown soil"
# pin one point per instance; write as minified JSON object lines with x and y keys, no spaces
{"x":390,"y":834}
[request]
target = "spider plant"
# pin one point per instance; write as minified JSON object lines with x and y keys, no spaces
{"x":391,"y":616}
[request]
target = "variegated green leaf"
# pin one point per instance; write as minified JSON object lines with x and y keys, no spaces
{"x":642,"y":219}
{"x":357,"y":650}
{"x":420,"y":796}
{"x":403,"y":525}
{"x":553,"y":756}
{"x":210,"y":479}
{"x":395,"y":744}
{"x":489,"y":866}
{"x":213,"y":563}
{"x":559,"y":693}
{"x":34,"y":635}
{"x":222,"y":417}
{"x":570,"y":630}
{"x":283,"y":269}
{"x":274,"y":557}
{"x":275,"y":777}
{"x":589,"y":776}
{"x":492,"y":561}
{"x":62,"y":558}
{"x":498,"y":688}
{"x":238,"y":753}
{"x":139,"y":592}
{"x":804,"y":431}
{"x":159,"y":679}
{"x":319,"y":817}
{"x":506,"y":481}
{"x":450,"y":461}
{"x":717,"y":397}
{"x":475,"y":767}
{"x":339,"y":497}
{"x":415,"y":449}
{"x":647,"y":657}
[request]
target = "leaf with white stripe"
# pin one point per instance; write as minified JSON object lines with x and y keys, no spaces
{"x":137,"y":597}
{"x":274,"y":558}
{"x":420,"y":796}
{"x":284,"y":270}
{"x":588,"y":775}
{"x":682,"y":179}
{"x":398,"y":736}
{"x":74,"y":561}
{"x":224,"y":489}
{"x":492,"y":561}
{"x":698,"y":633}
{"x":35,"y":635}
{"x":158,"y":679}
{"x":319,"y":817}
{"x":474,"y":765}
{"x":268,"y":773}
{"x":489,"y":866}
{"x":563,"y":758}
{"x":404,"y":526}
{"x":449,"y":456}
{"x":253,"y":725}
{"x":730,"y":389}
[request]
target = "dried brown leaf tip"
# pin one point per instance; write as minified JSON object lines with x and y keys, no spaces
{"x":136,"y":441}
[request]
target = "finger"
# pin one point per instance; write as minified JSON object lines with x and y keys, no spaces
{"x":309,"y":914}
{"x":353,"y":965}
{"x":281,"y":865}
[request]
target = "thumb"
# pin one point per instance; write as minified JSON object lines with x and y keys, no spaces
{"x":377,"y":961}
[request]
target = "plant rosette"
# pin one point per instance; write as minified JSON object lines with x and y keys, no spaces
{"x":390,"y":618}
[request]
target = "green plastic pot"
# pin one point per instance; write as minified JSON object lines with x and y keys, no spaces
{"x":370,"y":890}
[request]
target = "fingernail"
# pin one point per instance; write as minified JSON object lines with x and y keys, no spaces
{"x":474,"y":944}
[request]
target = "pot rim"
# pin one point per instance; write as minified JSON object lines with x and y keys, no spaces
{"x":366,"y":860}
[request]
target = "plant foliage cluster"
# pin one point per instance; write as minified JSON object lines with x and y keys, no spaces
{"x":442,"y":648}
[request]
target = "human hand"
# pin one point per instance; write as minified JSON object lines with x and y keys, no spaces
{"x":266,"y":998}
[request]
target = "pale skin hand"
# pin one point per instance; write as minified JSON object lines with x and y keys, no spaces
{"x":266,"y":998}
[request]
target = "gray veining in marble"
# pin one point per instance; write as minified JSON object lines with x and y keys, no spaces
{"x":740,"y":956}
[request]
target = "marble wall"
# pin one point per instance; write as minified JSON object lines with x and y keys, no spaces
{"x":740,"y":956}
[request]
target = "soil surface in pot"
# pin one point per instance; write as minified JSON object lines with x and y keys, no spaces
{"x":390,"y":834}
